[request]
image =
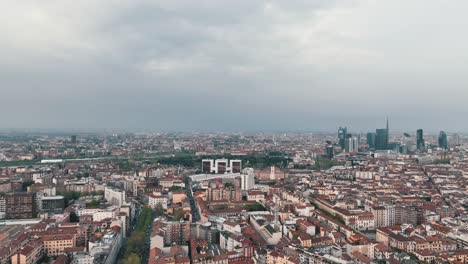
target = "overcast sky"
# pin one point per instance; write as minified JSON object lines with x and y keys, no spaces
{"x":234,"y":65}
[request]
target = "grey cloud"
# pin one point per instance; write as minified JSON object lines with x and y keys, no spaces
{"x":232,"y":65}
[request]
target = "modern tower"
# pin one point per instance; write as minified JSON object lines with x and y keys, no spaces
{"x":420,"y":140}
{"x":443,"y":142}
{"x":381,"y":138}
{"x":342,"y":134}
{"x":352,"y":144}
{"x":388,"y":132}
{"x":371,"y":140}
{"x":330,"y":151}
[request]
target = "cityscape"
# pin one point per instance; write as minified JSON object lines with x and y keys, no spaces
{"x":233,"y":132}
{"x":376,"y":197}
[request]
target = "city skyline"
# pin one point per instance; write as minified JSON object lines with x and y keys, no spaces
{"x":73,"y":131}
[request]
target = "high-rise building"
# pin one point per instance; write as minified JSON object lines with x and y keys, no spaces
{"x":330,"y":151}
{"x":73,"y":139}
{"x":371,"y":140}
{"x":352,"y":144}
{"x":381,"y":138}
{"x":247,"y":179}
{"x":443,"y":142}
{"x":420,"y":140}
{"x":342,"y":134}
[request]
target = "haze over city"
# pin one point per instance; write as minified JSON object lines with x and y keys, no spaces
{"x":233,"y":132}
{"x":233,"y":65}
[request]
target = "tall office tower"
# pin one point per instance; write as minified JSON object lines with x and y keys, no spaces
{"x":355,"y":145}
{"x":330,"y":151}
{"x":73,"y":139}
{"x":420,"y":140}
{"x":381,"y":138}
{"x":371,"y":140}
{"x":443,"y":142}
{"x":342,"y":134}
{"x":352,"y":144}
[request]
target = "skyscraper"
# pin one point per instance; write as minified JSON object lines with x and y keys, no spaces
{"x":342,"y":134}
{"x":371,"y":140}
{"x":381,"y":138}
{"x":352,"y":144}
{"x":443,"y":142}
{"x":420,"y":140}
{"x":330,"y":151}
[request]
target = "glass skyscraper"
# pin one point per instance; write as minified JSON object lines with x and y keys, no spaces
{"x":342,"y":135}
{"x":443,"y":142}
{"x":371,"y":140}
{"x":381,"y":139}
{"x":420,"y":140}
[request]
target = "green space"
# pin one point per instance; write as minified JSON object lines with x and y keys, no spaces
{"x":255,"y":207}
{"x":325,"y":212}
{"x":441,"y":161}
{"x":136,"y":242}
{"x":188,"y":159}
{"x":176,"y":189}
{"x":93,"y":204}
{"x":74,"y":218}
{"x":18,"y":163}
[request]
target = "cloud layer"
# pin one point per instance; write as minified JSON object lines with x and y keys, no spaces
{"x":233,"y":65}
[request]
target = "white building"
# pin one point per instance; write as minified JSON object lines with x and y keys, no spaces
{"x":114,"y":196}
{"x":156,"y":199}
{"x":247,"y":179}
{"x":98,"y":214}
{"x":2,"y":207}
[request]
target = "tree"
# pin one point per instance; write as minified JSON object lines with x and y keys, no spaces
{"x":74,"y":218}
{"x":93,"y":204}
{"x":136,"y":243}
{"x":255,"y":207}
{"x":159,"y":210}
{"x":132,"y":259}
{"x":175,"y":189}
